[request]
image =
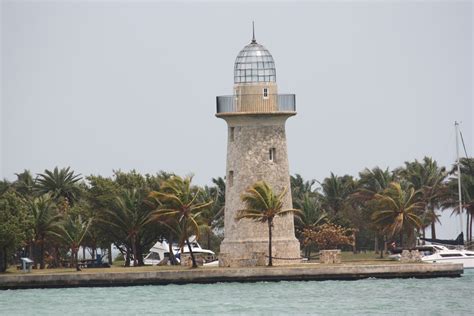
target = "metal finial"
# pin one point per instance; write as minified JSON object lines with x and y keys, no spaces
{"x":253,"y":33}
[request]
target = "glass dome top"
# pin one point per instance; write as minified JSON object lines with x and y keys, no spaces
{"x":254,"y":64}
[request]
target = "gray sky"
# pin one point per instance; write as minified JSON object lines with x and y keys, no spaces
{"x":131,"y":85}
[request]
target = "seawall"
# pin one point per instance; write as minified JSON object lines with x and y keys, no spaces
{"x":214,"y":275}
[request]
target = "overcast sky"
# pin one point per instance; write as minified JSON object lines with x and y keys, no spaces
{"x":124,"y":85}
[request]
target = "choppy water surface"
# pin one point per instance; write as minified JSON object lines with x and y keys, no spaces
{"x":441,"y":296}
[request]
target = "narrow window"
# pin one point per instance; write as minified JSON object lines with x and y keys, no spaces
{"x":231,"y":134}
{"x":272,"y":154}
{"x":230,"y":181}
{"x":265,"y":93}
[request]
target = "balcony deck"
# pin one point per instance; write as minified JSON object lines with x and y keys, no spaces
{"x":253,"y":104}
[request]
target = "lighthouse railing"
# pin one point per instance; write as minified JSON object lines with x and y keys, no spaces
{"x":249,"y":103}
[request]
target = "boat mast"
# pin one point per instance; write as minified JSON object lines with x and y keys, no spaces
{"x":456,"y":126}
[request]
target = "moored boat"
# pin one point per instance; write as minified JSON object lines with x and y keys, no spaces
{"x":160,"y":252}
{"x":441,"y":254}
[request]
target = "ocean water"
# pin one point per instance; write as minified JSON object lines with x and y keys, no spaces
{"x":440,"y":296}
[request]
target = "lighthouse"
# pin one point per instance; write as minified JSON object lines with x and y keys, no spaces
{"x":256,"y":150}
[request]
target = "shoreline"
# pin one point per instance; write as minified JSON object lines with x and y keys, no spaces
{"x":218,"y":275}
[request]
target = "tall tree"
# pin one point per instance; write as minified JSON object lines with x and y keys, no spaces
{"x":398,"y":211}
{"x":312,"y":215}
{"x":300,"y":187}
{"x":182,"y":207}
{"x":13,"y":226}
{"x":72,"y":232}
{"x":102,"y":193}
{"x":213,"y":216}
{"x":429,"y":179}
{"x":336,"y":192}
{"x":130,"y":215}
{"x":61,"y":184}
{"x":44,"y":220}
{"x":371,"y":182}
{"x":25,"y":184}
{"x":451,"y":199}
{"x":263,"y":205}
{"x":4,"y":186}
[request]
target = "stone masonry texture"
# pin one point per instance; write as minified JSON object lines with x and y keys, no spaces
{"x":248,"y":161}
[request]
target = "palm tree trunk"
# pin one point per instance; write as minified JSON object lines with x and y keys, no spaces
{"x":401,"y":238}
{"x":470,"y":230}
{"x":354,"y":248}
{"x":382,"y":247}
{"x":30,"y":251}
{"x":433,"y":230}
{"x":75,"y":256}
{"x":139,"y":253}
{"x":127,"y":257}
{"x":191,"y":253}
{"x":109,"y":254}
{"x":270,"y":261}
{"x":134,"y":249}
{"x":385,"y":246}
{"x":42,"y":254}
{"x":170,"y":249}
{"x":376,"y":243}
{"x":3,"y":259}
{"x":467,"y":224}
{"x":209,"y":238}
{"x":56,"y":256}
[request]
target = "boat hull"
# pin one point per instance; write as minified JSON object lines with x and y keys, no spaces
{"x":468,"y":262}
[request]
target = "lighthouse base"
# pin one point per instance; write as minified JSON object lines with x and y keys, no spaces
{"x":245,"y":253}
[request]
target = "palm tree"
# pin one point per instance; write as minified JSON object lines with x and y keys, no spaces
{"x":398,"y":210}
{"x":371,"y":182}
{"x":25,"y":184}
{"x":181,"y":208}
{"x":213,"y":216}
{"x":61,"y":184}
{"x":262,"y":205}
{"x":312,"y":215}
{"x":299,"y":187}
{"x":72,"y":233}
{"x":4,"y":186}
{"x":44,"y":222}
{"x":336,"y":192}
{"x":428,"y":178}
{"x":129,"y":215}
{"x":467,"y":185}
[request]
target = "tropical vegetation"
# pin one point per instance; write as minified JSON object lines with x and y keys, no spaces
{"x":52,"y":216}
{"x":263,"y":204}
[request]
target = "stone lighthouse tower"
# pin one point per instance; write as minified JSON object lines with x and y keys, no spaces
{"x":256,"y":150}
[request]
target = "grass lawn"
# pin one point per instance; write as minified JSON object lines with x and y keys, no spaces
{"x":348,"y":256}
{"x":117,"y":267}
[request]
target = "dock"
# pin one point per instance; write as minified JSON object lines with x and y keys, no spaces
{"x":305,"y":272}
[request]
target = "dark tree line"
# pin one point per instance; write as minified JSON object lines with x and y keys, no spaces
{"x":381,"y":204}
{"x":50,"y":216}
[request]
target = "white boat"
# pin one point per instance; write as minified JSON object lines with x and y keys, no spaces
{"x":160,"y":251}
{"x":441,"y":254}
